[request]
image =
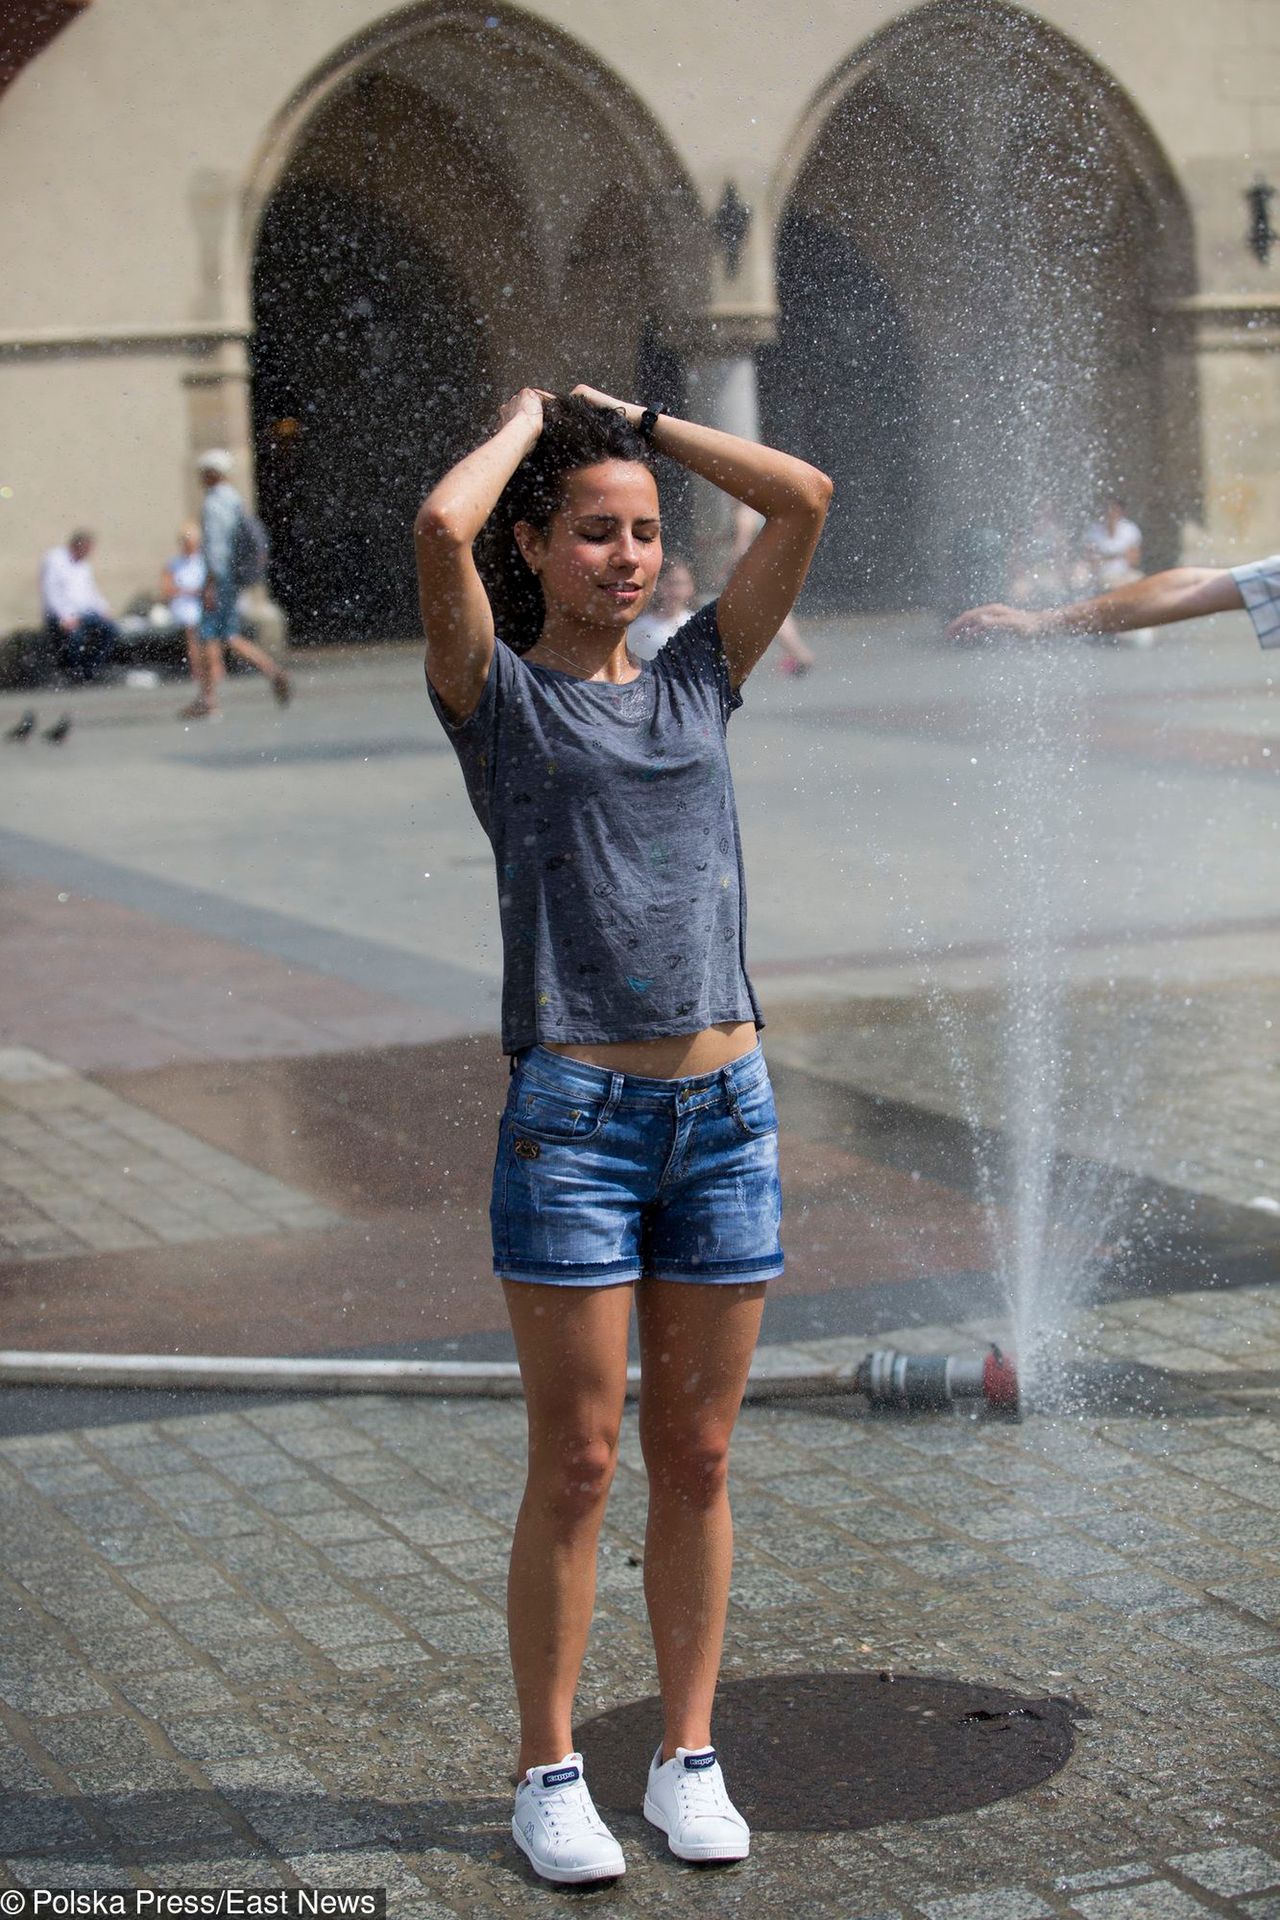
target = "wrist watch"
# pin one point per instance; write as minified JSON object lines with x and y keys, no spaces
{"x":648,"y":421}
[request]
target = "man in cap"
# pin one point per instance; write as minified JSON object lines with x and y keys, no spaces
{"x":219,"y":626}
{"x":77,"y":617}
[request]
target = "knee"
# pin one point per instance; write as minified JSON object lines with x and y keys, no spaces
{"x":571,"y":1480}
{"x":692,"y":1467}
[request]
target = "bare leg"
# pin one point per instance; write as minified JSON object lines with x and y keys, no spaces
{"x":696,"y":1344}
{"x":258,"y":657}
{"x":204,"y":657}
{"x":572,"y":1346}
{"x":798,"y":658}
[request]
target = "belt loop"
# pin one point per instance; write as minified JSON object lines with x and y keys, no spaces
{"x":616,"y":1082}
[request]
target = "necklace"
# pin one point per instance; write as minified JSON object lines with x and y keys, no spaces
{"x":542,"y":647}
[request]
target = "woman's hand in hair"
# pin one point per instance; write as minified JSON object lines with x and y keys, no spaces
{"x":526,"y":403}
{"x":607,"y":401}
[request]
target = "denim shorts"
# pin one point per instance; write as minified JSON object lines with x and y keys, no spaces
{"x":222,"y":621}
{"x":604,"y":1178}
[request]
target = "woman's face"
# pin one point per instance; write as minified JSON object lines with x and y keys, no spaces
{"x":600,"y":555}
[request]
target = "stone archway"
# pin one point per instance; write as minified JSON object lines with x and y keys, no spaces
{"x":433,"y":224}
{"x":978,"y":238}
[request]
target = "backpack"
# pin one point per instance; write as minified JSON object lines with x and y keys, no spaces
{"x":250,"y":551}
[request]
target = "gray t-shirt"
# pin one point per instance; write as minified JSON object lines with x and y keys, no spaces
{"x":614,"y":829}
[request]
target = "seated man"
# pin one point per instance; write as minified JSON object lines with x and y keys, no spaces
{"x":76,"y":615}
{"x":1181,"y":593}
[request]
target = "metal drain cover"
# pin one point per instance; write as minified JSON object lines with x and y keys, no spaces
{"x":836,"y":1752}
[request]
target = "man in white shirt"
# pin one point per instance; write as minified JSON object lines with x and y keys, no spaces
{"x":1113,"y":547}
{"x":76,"y":615}
{"x":1180,"y":593}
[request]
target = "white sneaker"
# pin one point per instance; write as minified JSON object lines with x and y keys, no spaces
{"x":556,"y":1825}
{"x":687,"y":1798}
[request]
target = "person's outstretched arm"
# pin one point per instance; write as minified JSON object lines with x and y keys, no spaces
{"x":1181,"y":593}
{"x":792,"y":496}
{"x":456,"y":616}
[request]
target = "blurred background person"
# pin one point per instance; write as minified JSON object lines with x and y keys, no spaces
{"x":672,"y":604}
{"x":182,"y":589}
{"x":1112,"y":554}
{"x":220,"y":527}
{"x":76,"y":615}
{"x":796,"y":656}
{"x":1040,"y":568}
{"x":1112,"y":548}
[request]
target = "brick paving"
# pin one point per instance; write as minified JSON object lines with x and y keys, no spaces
{"x":83,"y":1171}
{"x":265,"y":1647}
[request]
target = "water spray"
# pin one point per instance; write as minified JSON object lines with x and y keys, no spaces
{"x":931,"y":1382}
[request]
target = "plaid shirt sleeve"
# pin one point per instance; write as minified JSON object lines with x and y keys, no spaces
{"x":1259,"y":585}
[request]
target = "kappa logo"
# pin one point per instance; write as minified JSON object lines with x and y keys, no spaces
{"x":559,"y":1777}
{"x":694,"y":1761}
{"x":527,"y":1149}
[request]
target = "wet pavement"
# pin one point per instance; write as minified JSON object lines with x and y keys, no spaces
{"x":248,"y":1082}
{"x":972,"y":1668}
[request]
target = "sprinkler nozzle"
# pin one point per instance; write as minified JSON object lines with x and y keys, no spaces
{"x":929,"y":1382}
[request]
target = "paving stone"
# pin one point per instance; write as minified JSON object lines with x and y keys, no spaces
{"x":996,"y":1903}
{"x":1106,"y":1877}
{"x":1230,"y":1870}
{"x":1212,"y":1631}
{"x":1156,"y":1900}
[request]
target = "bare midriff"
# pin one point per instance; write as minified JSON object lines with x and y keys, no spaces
{"x":675,"y":1058}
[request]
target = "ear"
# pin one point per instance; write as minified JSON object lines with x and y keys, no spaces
{"x":531,"y":543}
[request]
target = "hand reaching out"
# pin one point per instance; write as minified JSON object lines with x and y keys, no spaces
{"x":993,"y":619}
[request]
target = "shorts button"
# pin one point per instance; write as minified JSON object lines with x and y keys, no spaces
{"x":684,"y":1093}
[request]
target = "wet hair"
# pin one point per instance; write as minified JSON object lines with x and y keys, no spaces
{"x":80,"y":537}
{"x":575,"y":434}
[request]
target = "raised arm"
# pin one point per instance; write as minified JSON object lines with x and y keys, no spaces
{"x":792,"y":496}
{"x":456,"y":616}
{"x":1181,"y":593}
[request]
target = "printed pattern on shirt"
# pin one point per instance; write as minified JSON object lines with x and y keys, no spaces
{"x":1259,"y":585}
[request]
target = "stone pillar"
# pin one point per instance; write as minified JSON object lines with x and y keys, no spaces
{"x":722,"y":393}
{"x":1235,"y":340}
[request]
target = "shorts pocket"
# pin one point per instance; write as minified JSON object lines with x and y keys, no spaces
{"x":754,"y":1111}
{"x":545,"y":1114}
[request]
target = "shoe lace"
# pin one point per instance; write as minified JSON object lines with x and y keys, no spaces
{"x":568,"y":1807}
{"x":701,"y":1790}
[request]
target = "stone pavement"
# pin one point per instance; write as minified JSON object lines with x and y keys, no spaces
{"x":265,"y":1646}
{"x":82,"y":1171}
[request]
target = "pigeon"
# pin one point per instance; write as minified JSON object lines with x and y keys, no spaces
{"x":25,"y":727}
{"x":58,"y":732}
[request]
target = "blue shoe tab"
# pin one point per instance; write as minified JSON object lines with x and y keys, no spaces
{"x":696,"y":1760}
{"x":560,"y":1776}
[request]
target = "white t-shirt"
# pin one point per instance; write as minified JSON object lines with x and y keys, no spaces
{"x":1259,"y":585}
{"x":647,"y":636}
{"x":1109,"y":551}
{"x":187,"y":571}
{"x":68,"y":589}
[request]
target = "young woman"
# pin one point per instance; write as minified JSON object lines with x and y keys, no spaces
{"x":638,"y":1150}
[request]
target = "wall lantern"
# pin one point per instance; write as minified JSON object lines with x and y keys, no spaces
{"x":1262,"y":236}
